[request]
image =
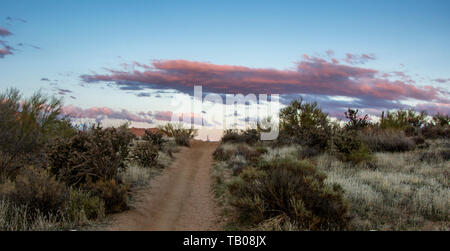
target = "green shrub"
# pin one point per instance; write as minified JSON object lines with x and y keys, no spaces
{"x":292,"y":188}
{"x":84,"y":207}
{"x":146,"y":154}
{"x":306,"y":124}
{"x":114,"y":195}
{"x":39,"y":192}
{"x":26,"y":126}
{"x":388,"y":140}
{"x":350,"y":148}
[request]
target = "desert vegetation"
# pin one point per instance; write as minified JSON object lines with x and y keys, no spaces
{"x":55,"y":175}
{"x":356,"y":174}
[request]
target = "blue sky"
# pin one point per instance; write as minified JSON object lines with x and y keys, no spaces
{"x":87,"y":37}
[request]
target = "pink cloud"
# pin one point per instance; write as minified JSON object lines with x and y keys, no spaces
{"x":433,"y":108}
{"x":4,"y":32}
{"x":188,"y":116}
{"x":4,"y":52}
{"x":312,"y":76}
{"x":100,"y":113}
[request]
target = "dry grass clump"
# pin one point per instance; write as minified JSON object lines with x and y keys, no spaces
{"x":138,"y":176}
{"x":35,"y":189}
{"x":227,"y":151}
{"x":387,"y":140}
{"x":291,"y":151}
{"x":402,"y":193}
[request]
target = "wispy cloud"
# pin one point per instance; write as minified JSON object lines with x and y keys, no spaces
{"x":355,"y":59}
{"x":4,"y":32}
{"x":101,"y":113}
{"x":5,"y":48}
{"x":16,"y":19}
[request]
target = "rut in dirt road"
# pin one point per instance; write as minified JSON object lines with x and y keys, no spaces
{"x":179,"y":199}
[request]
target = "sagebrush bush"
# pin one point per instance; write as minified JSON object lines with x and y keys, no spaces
{"x":222,"y":154}
{"x":252,"y":154}
{"x":39,"y":192}
{"x":379,"y":140}
{"x":437,"y":155}
{"x":431,"y":131}
{"x":350,"y":148}
{"x":145,"y":154}
{"x":114,"y":194}
{"x":292,"y":188}
{"x":83,"y":206}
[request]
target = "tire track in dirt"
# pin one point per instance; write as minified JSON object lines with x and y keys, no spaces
{"x":179,"y":199}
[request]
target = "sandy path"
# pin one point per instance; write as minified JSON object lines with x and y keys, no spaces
{"x":179,"y":199}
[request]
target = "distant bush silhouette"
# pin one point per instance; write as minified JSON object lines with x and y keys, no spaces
{"x":356,"y":122}
{"x":407,"y":120}
{"x":173,"y":130}
{"x":438,"y":128}
{"x":249,"y":136}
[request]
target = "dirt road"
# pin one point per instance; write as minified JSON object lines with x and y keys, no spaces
{"x":179,"y":199}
